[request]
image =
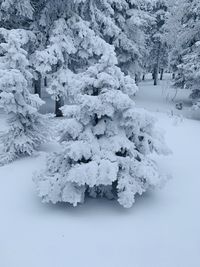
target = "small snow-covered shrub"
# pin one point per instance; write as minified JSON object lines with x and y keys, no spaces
{"x":27,"y":128}
{"x":105,"y":140}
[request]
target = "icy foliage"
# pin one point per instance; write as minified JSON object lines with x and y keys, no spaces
{"x":105,"y":139}
{"x":14,"y":11}
{"x":189,"y":70}
{"x":157,"y":59}
{"x":120,"y":23}
{"x":73,"y":46}
{"x":27,"y":129}
{"x":88,"y":53}
{"x":53,"y":60}
{"x":186,"y":51}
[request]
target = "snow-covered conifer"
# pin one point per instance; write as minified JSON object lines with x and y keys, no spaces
{"x":15,"y":13}
{"x":53,"y":61}
{"x":27,"y":129}
{"x":157,"y":46}
{"x":120,"y":23}
{"x":105,"y":139}
{"x":187,"y":51}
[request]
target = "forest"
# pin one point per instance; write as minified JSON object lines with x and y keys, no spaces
{"x":99,"y":111}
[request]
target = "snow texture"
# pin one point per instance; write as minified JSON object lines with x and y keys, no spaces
{"x":164,"y":223}
{"x":108,"y":156}
{"x":27,"y":128}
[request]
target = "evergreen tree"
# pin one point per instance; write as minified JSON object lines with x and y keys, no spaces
{"x":122,"y":24}
{"x":105,"y":139}
{"x":188,"y":49}
{"x":53,"y":61}
{"x":172,"y":28}
{"x":158,"y":51}
{"x":15,"y":13}
{"x":84,"y":50}
{"x":27,"y":129}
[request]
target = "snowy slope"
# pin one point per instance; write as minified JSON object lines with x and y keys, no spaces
{"x":161,"y":230}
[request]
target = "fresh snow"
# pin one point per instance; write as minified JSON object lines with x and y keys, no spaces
{"x":163,"y":98}
{"x":160,"y":230}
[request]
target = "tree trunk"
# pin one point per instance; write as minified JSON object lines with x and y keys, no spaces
{"x":161,"y":74}
{"x":37,"y":84}
{"x":58,"y":105}
{"x":173,"y":76}
{"x":137,"y":79}
{"x":143,"y":77}
{"x":59,"y":99}
{"x":155,"y":75}
{"x":45,"y":81}
{"x":157,"y":65}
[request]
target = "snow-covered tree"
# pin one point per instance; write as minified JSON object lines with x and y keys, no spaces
{"x":27,"y":129}
{"x":105,"y":139}
{"x":53,"y":61}
{"x":122,"y":24}
{"x":157,"y":60}
{"x":15,"y":13}
{"x":84,"y":50}
{"x":187,"y":51}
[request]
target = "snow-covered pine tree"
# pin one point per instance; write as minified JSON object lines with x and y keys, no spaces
{"x":187,"y":51}
{"x":130,"y":46}
{"x":172,"y":27}
{"x":27,"y":128}
{"x":105,"y":139}
{"x":158,"y":52}
{"x":189,"y":69}
{"x":120,"y":23}
{"x":15,"y":13}
{"x":53,"y":61}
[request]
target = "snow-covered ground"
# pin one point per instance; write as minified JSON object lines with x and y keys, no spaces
{"x":161,"y":230}
{"x":163,"y":98}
